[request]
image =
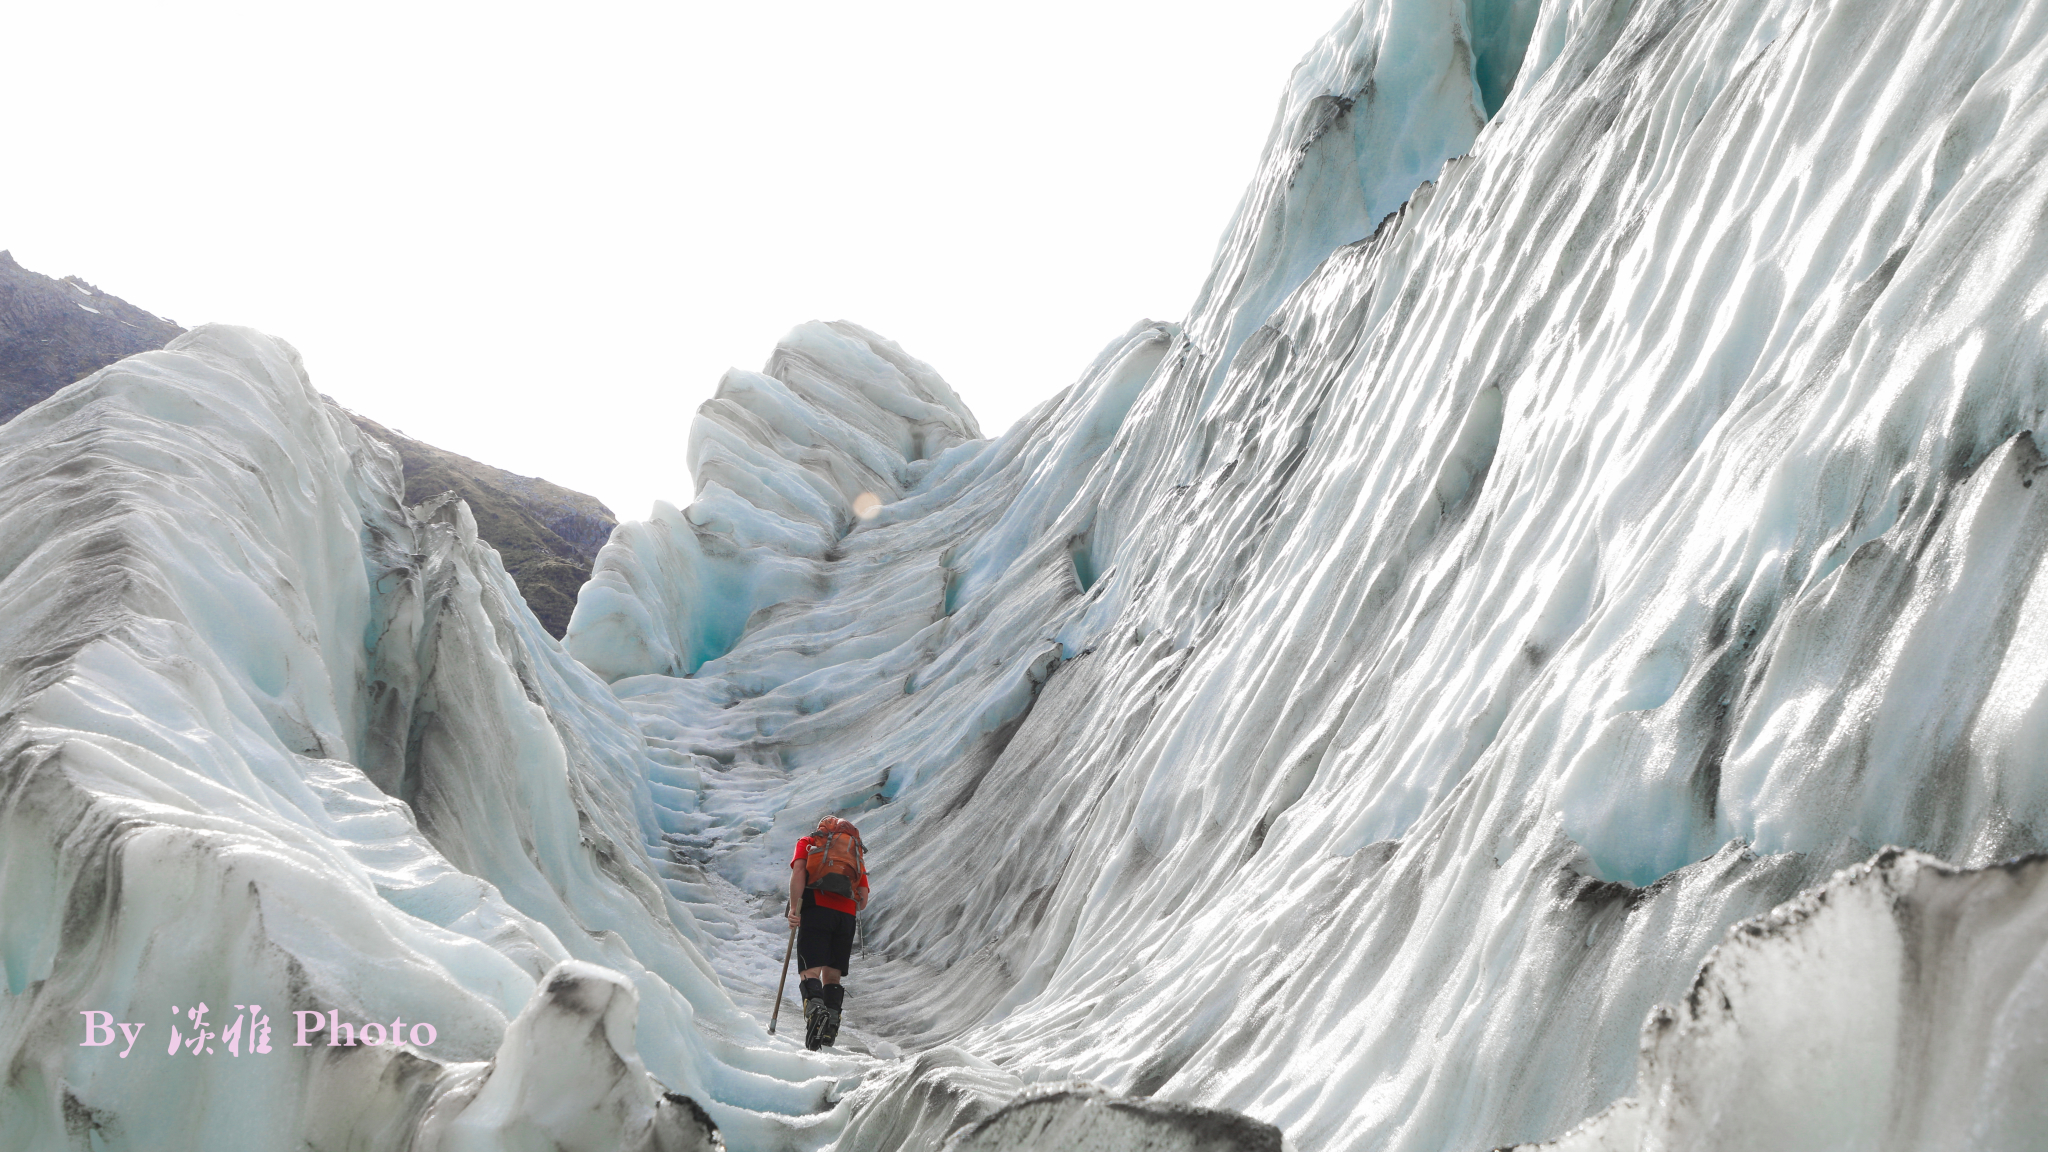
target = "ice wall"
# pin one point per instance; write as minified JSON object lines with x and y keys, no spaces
{"x":229,"y":654}
{"x":1365,"y":704}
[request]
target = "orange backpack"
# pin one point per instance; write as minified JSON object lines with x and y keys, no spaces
{"x":836,"y":861}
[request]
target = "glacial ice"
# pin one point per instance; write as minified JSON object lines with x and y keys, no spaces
{"x":1367,"y":718}
{"x":680,"y":588}
{"x":1551,"y":649}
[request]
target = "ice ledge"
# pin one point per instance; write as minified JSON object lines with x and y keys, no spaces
{"x":1903,"y":1004}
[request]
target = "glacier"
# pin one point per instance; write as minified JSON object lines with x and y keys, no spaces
{"x":1552,"y":651}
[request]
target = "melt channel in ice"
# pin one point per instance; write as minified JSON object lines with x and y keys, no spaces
{"x":1573,"y":523}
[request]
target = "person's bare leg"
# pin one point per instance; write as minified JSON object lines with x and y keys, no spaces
{"x":826,"y":975}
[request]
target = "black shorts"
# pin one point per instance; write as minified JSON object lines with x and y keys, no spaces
{"x":824,"y":939}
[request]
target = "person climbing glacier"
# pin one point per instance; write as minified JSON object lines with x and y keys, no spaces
{"x":828,"y":888}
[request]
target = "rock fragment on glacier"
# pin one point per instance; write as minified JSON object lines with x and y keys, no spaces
{"x":1084,"y":1118}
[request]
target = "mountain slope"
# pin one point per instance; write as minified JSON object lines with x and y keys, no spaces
{"x":53,"y":332}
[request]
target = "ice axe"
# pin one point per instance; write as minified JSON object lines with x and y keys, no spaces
{"x":782,"y":980}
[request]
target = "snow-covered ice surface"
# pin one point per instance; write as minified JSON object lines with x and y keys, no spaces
{"x":1456,"y":689}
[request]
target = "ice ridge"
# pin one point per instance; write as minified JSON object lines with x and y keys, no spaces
{"x":275,"y":740}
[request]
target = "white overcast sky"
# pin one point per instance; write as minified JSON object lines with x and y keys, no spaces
{"x":537,"y":235}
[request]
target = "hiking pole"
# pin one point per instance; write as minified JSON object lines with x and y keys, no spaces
{"x":782,"y":980}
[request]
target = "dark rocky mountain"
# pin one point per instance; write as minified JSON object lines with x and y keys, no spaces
{"x":56,"y":332}
{"x":53,"y":332}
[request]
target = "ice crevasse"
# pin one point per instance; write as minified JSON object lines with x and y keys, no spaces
{"x":1551,"y":649}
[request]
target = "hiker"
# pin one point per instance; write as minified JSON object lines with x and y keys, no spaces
{"x":828,"y":886}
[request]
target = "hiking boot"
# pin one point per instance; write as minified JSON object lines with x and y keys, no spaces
{"x":815,"y":1014}
{"x":830,"y":1032}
